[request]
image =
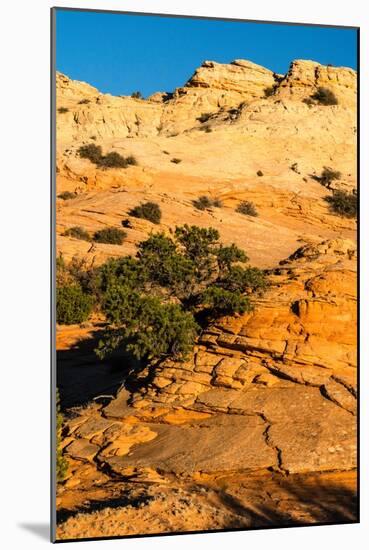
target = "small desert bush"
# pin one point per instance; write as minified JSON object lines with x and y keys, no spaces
{"x":91,"y":152}
{"x":343,"y":203}
{"x":247,"y":208}
{"x":176,"y":160}
{"x":294,"y":167}
{"x":217,"y":203}
{"x":72,"y":305}
{"x":269,"y":91}
{"x":204,"y":202}
{"x":77,"y":232}
{"x":84,"y":102}
{"x":66,"y":195}
{"x":206,"y":129}
{"x":259,"y":173}
{"x":109,"y":235}
{"x":113,"y":159}
{"x":63,"y":110}
{"x":136,"y":95}
{"x":324,"y":96}
{"x":328,"y":176}
{"x":148,"y":211}
{"x":204,"y":117}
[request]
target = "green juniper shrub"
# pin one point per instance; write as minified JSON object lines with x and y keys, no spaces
{"x":72,"y":305}
{"x":109,"y":235}
{"x":224,"y":302}
{"x":324,"y":96}
{"x":61,"y":461}
{"x":77,"y":232}
{"x":228,"y":255}
{"x":250,"y":279}
{"x":198,"y":242}
{"x":164,"y":265}
{"x":176,"y":160}
{"x":84,"y":101}
{"x":148,"y":211}
{"x":150,"y":329}
{"x":77,"y":272}
{"x":247,"y":208}
{"x":153,"y":303}
{"x":63,"y":110}
{"x":136,"y":95}
{"x":66,"y":195}
{"x":126,"y":271}
{"x":343,"y":203}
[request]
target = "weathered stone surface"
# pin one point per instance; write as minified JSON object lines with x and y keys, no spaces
{"x":223,"y":443}
{"x":122,"y":441}
{"x":93,"y":427}
{"x":328,"y":444}
{"x":118,"y":408}
{"x":82,"y":449}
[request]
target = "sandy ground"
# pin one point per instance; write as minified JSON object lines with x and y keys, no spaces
{"x":240,"y":501}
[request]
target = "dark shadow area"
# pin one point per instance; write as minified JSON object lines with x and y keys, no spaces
{"x":297,"y":503}
{"x":82,"y":376}
{"x":135,"y":501}
{"x":42,"y":530}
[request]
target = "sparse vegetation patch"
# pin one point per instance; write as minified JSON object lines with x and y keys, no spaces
{"x":204,"y":202}
{"x":324,"y":96}
{"x":148,"y":211}
{"x":269,"y":91}
{"x":343,"y":203}
{"x":77,"y":232}
{"x":204,"y":117}
{"x":247,"y":208}
{"x":93,"y":153}
{"x":66,"y":195}
{"x":110,"y":235}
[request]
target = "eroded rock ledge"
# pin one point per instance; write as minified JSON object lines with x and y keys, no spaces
{"x":274,"y":389}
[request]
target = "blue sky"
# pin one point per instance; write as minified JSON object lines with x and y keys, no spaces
{"x":121,"y":53}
